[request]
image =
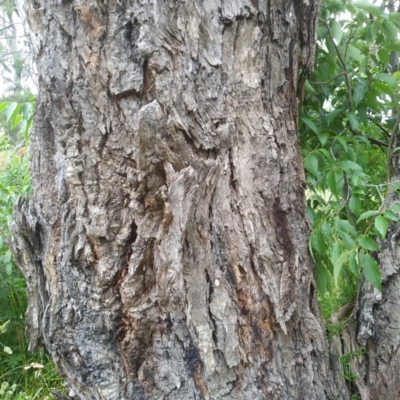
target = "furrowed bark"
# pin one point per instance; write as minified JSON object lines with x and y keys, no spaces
{"x":165,"y":243}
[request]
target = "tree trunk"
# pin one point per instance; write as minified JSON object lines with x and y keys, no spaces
{"x":165,"y":242}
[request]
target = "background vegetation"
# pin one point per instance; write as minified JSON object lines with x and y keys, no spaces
{"x":23,"y":375}
{"x":349,"y":119}
{"x":348,"y":130}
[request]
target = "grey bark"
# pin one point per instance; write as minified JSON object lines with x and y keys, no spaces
{"x":165,"y":242}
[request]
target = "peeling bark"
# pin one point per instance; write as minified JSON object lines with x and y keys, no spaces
{"x":165,"y":243}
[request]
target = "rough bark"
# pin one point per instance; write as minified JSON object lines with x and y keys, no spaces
{"x":165,"y":242}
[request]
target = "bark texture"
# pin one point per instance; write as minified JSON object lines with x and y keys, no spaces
{"x":165,"y":243}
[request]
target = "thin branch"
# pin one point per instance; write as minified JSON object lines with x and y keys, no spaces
{"x":380,"y":126}
{"x":12,"y":37}
{"x":330,"y":80}
{"x":11,"y":53}
{"x":348,"y":42}
{"x":372,"y":140}
{"x":333,"y":141}
{"x":382,"y":184}
{"x":342,"y":61}
{"x":7,"y":27}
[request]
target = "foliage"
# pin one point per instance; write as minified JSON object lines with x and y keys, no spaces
{"x":345,"y":363}
{"x":348,"y":123}
{"x":30,"y":374}
{"x":15,"y":57}
{"x":16,"y":114}
{"x":24,"y":375}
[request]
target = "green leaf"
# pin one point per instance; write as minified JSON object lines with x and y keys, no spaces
{"x":11,"y":107}
{"x":368,"y":7}
{"x":351,"y":154}
{"x":3,"y":328}
{"x":346,"y":226}
{"x":337,"y":266}
{"x":323,"y":276}
{"x":331,"y":181}
{"x":311,"y":125}
{"x":27,"y":110}
{"x":358,"y":94}
{"x":393,"y":47}
{"x":394,"y":16}
{"x":389,"y":29}
{"x":326,"y":229}
{"x":337,"y":31}
{"x":395,"y":208}
{"x":387,"y":78}
{"x":371,"y":271}
{"x":347,"y":240}
{"x":317,"y":241}
{"x":367,"y":243}
{"x":353,"y":52}
{"x":323,"y":137}
{"x":353,"y":264}
{"x":381,"y":225}
{"x":364,"y":140}
{"x":395,"y":150}
{"x":390,"y":215}
{"x":333,"y":114}
{"x":384,"y":56}
{"x":353,"y":120}
{"x":4,"y":105}
{"x":327,"y":155}
{"x":311,"y":164}
{"x":374,"y":30}
{"x":8,"y":269}
{"x":351,"y":8}
{"x":355,"y":204}
{"x":372,"y":100}
{"x":342,"y":141}
{"x":308,"y":87}
{"x":349,"y":165}
{"x":16,"y":121}
{"x":364,"y":64}
{"x":336,"y":251}
{"x":366,"y":215}
{"x":385,"y":88}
